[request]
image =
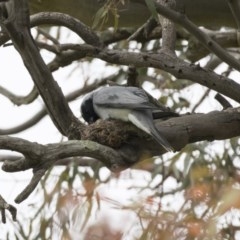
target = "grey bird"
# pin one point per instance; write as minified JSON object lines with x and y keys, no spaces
{"x":129,"y":104}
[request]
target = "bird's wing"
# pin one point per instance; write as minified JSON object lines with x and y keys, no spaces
{"x":122,"y":97}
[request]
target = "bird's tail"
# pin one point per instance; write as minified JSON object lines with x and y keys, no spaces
{"x":161,"y":140}
{"x":144,"y":121}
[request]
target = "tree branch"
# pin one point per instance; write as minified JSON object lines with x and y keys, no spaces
{"x":20,"y":100}
{"x":223,"y":101}
{"x":133,"y":144}
{"x":61,"y":19}
{"x":227,"y":39}
{"x":43,"y":112}
{"x":41,"y":157}
{"x":168,"y":28}
{"x":5,"y":206}
{"x":25,"y":125}
{"x":37,"y":175}
{"x":235,"y":8}
{"x":207,"y":41}
{"x":206,"y":93}
{"x":17,"y":25}
{"x":177,"y":67}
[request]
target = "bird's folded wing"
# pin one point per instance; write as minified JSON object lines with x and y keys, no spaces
{"x":122,"y":97}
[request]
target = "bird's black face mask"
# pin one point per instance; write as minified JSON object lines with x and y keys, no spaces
{"x":88,"y":112}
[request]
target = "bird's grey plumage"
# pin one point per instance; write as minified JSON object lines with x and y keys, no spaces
{"x":122,"y":97}
{"x":129,"y":104}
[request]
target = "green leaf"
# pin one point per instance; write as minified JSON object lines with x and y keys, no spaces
{"x":151,"y":6}
{"x":116,"y":19}
{"x":99,"y":16}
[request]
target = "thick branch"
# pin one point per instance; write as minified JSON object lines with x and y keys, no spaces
{"x":17,"y":26}
{"x":60,"y":19}
{"x":179,"y":131}
{"x":198,"y":127}
{"x":133,"y":145}
{"x":168,"y":28}
{"x":41,"y":157}
{"x":177,"y":67}
{"x":44,"y":156}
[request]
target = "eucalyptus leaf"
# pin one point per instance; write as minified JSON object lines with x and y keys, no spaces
{"x":99,"y":17}
{"x":151,"y":6}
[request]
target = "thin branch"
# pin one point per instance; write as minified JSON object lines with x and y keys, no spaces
{"x":27,"y":124}
{"x":177,"y":67}
{"x":17,"y":26}
{"x":43,"y":112}
{"x":201,"y":100}
{"x":178,"y":131}
{"x":235,"y":8}
{"x":20,"y":100}
{"x":51,"y":48}
{"x":77,"y":161}
{"x":27,"y":148}
{"x":144,"y":31}
{"x":226,"y":39}
{"x":47,"y":36}
{"x":38,"y":174}
{"x":223,"y":101}
{"x":207,"y":41}
{"x":5,"y":206}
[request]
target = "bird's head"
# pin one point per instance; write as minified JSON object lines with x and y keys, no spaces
{"x":87,"y":109}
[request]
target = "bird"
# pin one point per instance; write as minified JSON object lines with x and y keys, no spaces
{"x":129,"y":104}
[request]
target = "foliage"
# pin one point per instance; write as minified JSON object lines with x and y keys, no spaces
{"x":101,"y":17}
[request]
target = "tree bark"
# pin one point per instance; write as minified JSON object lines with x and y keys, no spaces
{"x":130,"y":144}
